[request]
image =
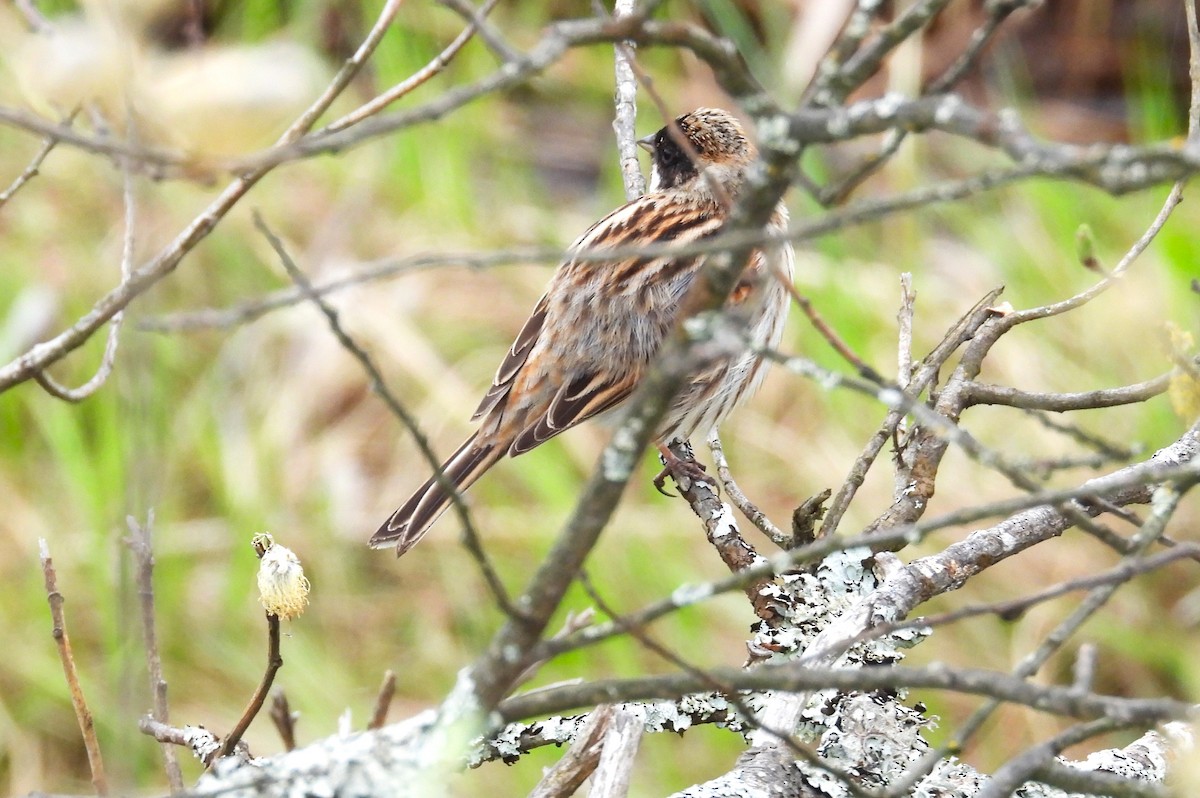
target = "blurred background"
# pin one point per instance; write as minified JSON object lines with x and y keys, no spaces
{"x":270,"y":426}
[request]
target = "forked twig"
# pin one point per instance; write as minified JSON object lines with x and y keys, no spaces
{"x":32,"y":169}
{"x":415,"y":80}
{"x":739,"y":499}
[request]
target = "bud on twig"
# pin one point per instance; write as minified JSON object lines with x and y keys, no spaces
{"x":282,"y":585}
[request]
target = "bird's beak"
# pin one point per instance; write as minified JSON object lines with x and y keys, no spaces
{"x":647,"y":143}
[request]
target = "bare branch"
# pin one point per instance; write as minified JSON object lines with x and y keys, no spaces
{"x":164,"y":161}
{"x":579,"y":762}
{"x":625,"y":119}
{"x":143,"y":553}
{"x":83,"y":714}
{"x":998,"y":11}
{"x":141,"y":279}
{"x":797,"y":677}
{"x":1173,"y":199}
{"x":867,"y":60}
{"x":33,"y":17}
{"x":204,"y":744}
{"x":418,"y":78}
{"x":274,"y":663}
{"x":490,"y":36}
{"x":379,"y":387}
{"x":619,"y":749}
{"x":383,"y":701}
{"x":31,"y":171}
{"x":739,"y":499}
{"x":344,"y":75}
{"x":1166,"y":500}
{"x":1031,"y":519}
{"x":963,"y":331}
{"x":1022,"y":767}
{"x":283,"y":718}
{"x":43,"y":378}
{"x":1010,"y":609}
{"x":979,"y":393}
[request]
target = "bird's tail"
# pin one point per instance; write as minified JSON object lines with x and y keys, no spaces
{"x":409,"y":524}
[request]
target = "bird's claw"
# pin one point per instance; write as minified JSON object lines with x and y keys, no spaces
{"x":679,"y":469}
{"x":660,"y":482}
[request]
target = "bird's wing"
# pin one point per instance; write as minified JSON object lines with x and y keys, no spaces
{"x":652,"y":219}
{"x":517,"y":353}
{"x":577,"y":401}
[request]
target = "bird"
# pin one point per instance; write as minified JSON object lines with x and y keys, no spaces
{"x":594,"y":334}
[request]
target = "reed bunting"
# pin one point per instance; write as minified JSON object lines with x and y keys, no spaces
{"x":594,"y":334}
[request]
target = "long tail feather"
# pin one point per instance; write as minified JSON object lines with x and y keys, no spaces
{"x":409,"y":524}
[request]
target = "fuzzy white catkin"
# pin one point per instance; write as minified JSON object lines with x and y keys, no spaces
{"x":282,"y":585}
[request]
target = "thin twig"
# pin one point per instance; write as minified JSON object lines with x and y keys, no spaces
{"x":43,"y":378}
{"x":141,"y":279}
{"x":274,"y":663}
{"x":1110,"y":450}
{"x":31,"y":170}
{"x":862,"y":212}
{"x":798,"y":677}
{"x":831,"y":337}
{"x":718,"y":189}
{"x":998,"y":12}
{"x":283,"y":718}
{"x":143,"y":553}
{"x":568,"y":774}
{"x":904,"y":321}
{"x":484,"y":29}
{"x":83,"y":715}
{"x":1166,"y":500}
{"x":1126,"y":485}
{"x":625,"y":118}
{"x":739,"y":499}
{"x":344,"y":75}
{"x":979,"y":393}
{"x":927,"y":373}
{"x":379,"y":386}
{"x":867,"y":60}
{"x":203,"y":743}
{"x":418,"y":78}
{"x":383,"y":700}
{"x":574,"y":622}
{"x":1011,"y":609}
{"x":1015,"y":772}
{"x":1174,"y":197}
{"x":1193,"y":29}
{"x":33,"y":17}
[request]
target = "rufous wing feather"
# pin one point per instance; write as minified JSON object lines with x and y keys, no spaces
{"x":518,"y":353}
{"x":577,"y":401}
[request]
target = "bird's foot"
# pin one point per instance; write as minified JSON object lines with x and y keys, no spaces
{"x":682,"y":470}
